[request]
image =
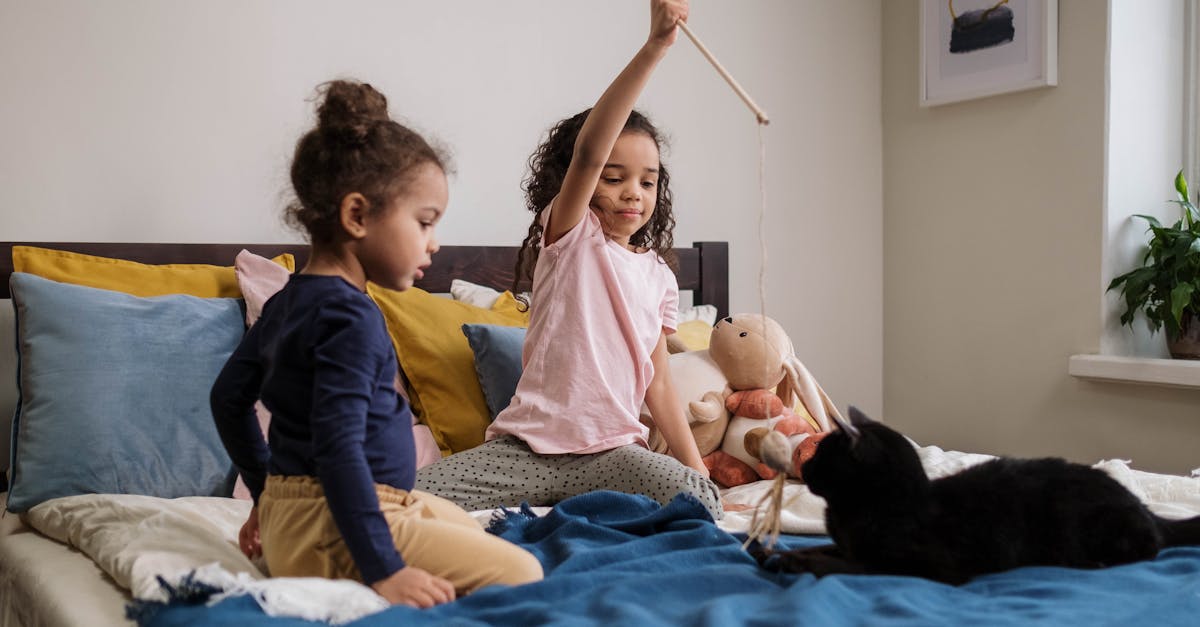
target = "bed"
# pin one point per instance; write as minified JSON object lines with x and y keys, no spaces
{"x":158,"y":548}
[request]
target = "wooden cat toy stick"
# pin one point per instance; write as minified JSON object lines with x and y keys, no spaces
{"x":758,"y":112}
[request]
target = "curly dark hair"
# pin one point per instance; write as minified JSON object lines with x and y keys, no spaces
{"x":547,"y":167}
{"x":355,"y":147}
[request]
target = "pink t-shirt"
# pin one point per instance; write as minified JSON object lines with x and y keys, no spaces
{"x":598,"y":312}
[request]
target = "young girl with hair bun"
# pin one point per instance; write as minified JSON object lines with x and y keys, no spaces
{"x":333,"y":486}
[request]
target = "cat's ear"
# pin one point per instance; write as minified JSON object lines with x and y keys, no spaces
{"x":857,"y":418}
{"x":847,"y":426}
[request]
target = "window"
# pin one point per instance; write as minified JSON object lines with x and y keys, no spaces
{"x":1152,"y":126}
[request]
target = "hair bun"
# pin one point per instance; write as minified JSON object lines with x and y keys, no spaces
{"x":351,"y":107}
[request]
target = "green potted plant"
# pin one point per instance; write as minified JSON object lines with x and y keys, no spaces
{"x":1166,"y":288}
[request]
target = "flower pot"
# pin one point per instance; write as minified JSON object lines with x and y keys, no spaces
{"x":1187,"y":345}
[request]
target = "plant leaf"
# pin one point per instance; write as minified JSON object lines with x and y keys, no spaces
{"x":1182,"y":244}
{"x":1151,"y":219}
{"x":1185,"y":207}
{"x":1168,"y":282}
{"x":1181,"y":296}
{"x":1136,"y":292}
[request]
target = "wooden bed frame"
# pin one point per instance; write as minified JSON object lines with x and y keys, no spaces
{"x":703,"y":268}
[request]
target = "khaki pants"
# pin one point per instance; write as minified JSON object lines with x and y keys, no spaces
{"x":300,"y":539}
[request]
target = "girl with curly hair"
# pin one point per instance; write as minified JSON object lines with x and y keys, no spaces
{"x":604,"y":300}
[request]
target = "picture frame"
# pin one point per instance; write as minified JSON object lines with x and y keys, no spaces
{"x":978,"y":48}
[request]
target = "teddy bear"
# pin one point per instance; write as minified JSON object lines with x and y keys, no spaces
{"x":699,"y":383}
{"x":764,"y":378}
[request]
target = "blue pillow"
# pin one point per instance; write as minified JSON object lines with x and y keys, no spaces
{"x":113,"y":392}
{"x":497,"y":352}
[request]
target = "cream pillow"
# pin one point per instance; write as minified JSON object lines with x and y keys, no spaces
{"x":478,"y":295}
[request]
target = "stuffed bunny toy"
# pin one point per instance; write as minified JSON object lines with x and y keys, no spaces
{"x":763,"y":381}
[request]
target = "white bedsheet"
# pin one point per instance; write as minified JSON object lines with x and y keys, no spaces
{"x":136,"y":539}
{"x":1169,"y":496}
{"x":49,"y":584}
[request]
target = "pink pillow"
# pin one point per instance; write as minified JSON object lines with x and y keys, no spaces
{"x":240,"y":491}
{"x":259,"y":278}
{"x":427,"y":448}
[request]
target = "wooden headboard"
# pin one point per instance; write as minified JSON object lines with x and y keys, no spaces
{"x":703,"y":268}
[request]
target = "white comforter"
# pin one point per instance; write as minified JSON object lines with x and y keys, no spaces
{"x":138,"y":539}
{"x":1170,"y":496}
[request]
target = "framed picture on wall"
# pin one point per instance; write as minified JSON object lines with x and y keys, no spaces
{"x":977,"y":48}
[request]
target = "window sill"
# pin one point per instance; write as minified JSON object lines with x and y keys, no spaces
{"x":1180,"y":373}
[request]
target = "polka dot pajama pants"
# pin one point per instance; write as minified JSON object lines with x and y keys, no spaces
{"x":504,"y":472}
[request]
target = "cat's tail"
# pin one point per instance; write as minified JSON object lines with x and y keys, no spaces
{"x":1180,"y":532}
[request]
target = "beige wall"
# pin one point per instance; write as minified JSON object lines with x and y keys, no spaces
{"x":993,"y":214}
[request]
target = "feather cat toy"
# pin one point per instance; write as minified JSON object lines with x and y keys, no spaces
{"x":886,"y":516}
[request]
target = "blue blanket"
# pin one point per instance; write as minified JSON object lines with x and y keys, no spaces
{"x":616,"y":559}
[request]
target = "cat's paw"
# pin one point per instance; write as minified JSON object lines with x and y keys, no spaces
{"x":799,"y":562}
{"x":817,"y":560}
{"x":763,"y":555}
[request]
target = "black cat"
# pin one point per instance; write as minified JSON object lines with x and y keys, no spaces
{"x":885,"y":516}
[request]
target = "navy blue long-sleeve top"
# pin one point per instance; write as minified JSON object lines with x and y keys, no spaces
{"x":321,"y":360}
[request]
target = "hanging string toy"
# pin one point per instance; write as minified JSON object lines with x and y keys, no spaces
{"x":766,"y":528}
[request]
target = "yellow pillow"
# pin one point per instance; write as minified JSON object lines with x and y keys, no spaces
{"x":438,"y":363}
{"x":694,"y":334}
{"x":508,"y":304}
{"x":131,"y":277}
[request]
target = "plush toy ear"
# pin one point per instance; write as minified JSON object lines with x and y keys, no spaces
{"x":814,"y":399}
{"x":789,"y":388}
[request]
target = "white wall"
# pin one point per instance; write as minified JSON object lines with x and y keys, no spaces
{"x":993,"y":264}
{"x":127,"y":120}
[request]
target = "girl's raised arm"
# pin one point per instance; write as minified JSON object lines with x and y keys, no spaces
{"x":603,"y":125}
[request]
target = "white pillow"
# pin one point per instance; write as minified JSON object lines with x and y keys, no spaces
{"x":707,"y":313}
{"x":472,"y":294}
{"x":484,"y":297}
{"x":478,"y":295}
